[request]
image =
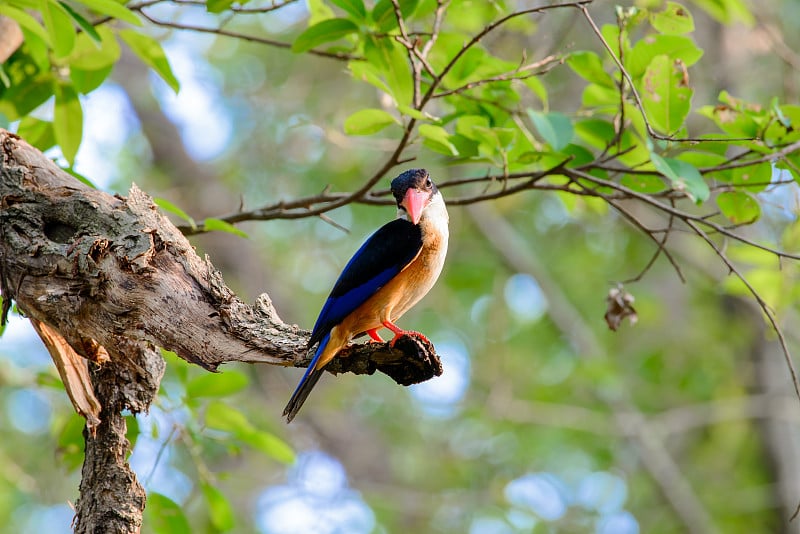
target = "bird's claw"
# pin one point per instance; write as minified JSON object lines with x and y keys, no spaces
{"x":410,"y":333}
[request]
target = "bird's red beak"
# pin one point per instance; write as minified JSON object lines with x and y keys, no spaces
{"x":414,"y":202}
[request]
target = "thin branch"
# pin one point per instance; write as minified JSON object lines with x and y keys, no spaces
{"x":242,"y":36}
{"x":759,"y":299}
{"x":528,"y":71}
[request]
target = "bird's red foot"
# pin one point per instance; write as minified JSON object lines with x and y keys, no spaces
{"x":376,"y":338}
{"x":399,"y":332}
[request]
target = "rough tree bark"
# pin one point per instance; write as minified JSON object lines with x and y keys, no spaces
{"x":106,"y":280}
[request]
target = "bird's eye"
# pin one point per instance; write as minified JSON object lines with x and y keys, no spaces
{"x":428,"y":183}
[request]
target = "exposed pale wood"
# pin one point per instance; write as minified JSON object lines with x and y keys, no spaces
{"x":74,"y":373}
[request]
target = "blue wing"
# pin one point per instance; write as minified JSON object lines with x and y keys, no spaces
{"x":379,"y":259}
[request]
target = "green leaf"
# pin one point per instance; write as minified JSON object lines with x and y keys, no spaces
{"x":354,"y":8}
{"x":683,"y":175}
{"x":366,"y":72}
{"x":472,"y":127}
{"x":220,"y":416}
{"x":169,"y":207}
{"x":416,"y":114}
{"x":666,"y":97}
{"x":25,"y":21}
{"x":218,"y":6}
{"x":70,"y":442}
{"x":739,"y":207}
{"x":271,"y":446}
{"x":555,"y":128}
{"x":86,"y":81}
{"x":323,"y":32}
{"x":674,"y":20}
{"x":391,"y":63}
{"x":132,"y":432}
{"x":152,"y":54}
{"x":219,"y":508}
{"x":318,"y":10}
{"x":437,"y":139}
{"x":218,"y":225}
{"x":589,"y":66}
{"x":217,"y":384}
{"x":164,"y":515}
{"x":384,"y":17}
{"x":95,"y":55}
{"x":37,"y":132}
{"x":643,"y":183}
{"x":368,"y":121}
{"x":82,"y":22}
{"x":113,"y":9}
{"x":674,"y":46}
{"x":67,"y":120}
{"x":58,"y":24}
{"x":754,"y":178}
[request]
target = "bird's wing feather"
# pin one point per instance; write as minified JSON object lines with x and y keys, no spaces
{"x":387,"y":252}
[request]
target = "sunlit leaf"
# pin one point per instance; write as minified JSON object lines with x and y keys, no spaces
{"x":323,"y":32}
{"x":169,"y":207}
{"x":84,"y":24}
{"x":437,"y":139}
{"x":739,"y":207}
{"x":684,"y":177}
{"x":674,"y":20}
{"x":754,"y":177}
{"x":383,"y":14}
{"x":91,"y":62}
{"x":643,"y":183}
{"x":672,"y":46}
{"x":368,"y":121}
{"x":416,"y":114}
{"x":366,"y":72}
{"x":152,"y":54}
{"x":665,"y":94}
{"x":67,"y":121}
{"x":218,"y":6}
{"x":589,"y":66}
{"x":555,"y":128}
{"x":37,"y":132}
{"x":354,"y":8}
{"x":218,"y":225}
{"x":86,"y":81}
{"x":219,"y":508}
{"x":220,"y":416}
{"x":58,"y":24}
{"x":113,"y":9}
{"x":391,"y":63}
{"x":164,"y":515}
{"x":217,"y":384}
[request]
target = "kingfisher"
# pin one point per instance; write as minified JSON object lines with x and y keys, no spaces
{"x":390,"y":273}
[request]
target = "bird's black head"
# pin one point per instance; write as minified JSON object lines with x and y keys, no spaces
{"x":413,"y":190}
{"x":413,"y":178}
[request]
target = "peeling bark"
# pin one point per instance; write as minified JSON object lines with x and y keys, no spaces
{"x":113,"y":280}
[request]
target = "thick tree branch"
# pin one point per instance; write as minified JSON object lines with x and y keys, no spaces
{"x":101,"y":267}
{"x":109,"y":279}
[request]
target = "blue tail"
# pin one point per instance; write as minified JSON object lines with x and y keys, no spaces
{"x":306,"y":384}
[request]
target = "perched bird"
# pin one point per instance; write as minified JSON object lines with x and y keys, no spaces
{"x":390,"y":273}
